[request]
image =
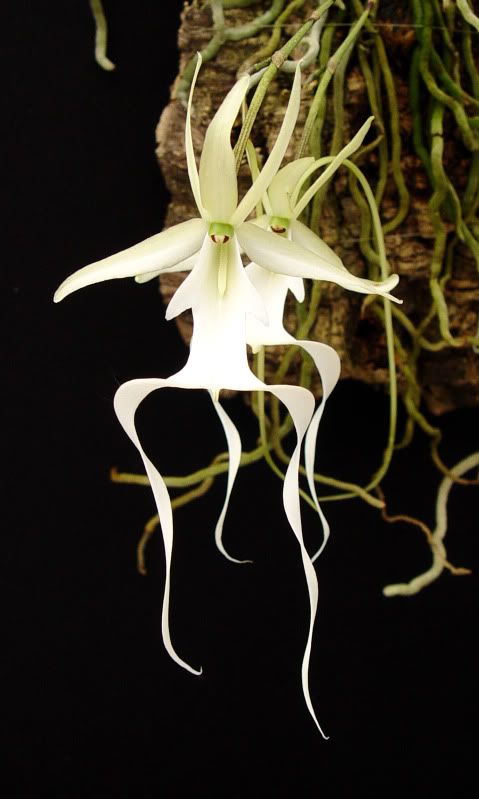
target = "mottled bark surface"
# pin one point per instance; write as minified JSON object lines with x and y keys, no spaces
{"x":449,"y":378}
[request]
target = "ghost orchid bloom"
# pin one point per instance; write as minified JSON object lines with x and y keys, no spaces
{"x":314,"y":258}
{"x":221,"y":296}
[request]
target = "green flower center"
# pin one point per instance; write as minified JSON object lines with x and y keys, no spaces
{"x":220,"y":232}
{"x":279,"y":224}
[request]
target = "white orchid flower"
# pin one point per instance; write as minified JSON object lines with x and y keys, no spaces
{"x":221,"y":296}
{"x":283,"y":205}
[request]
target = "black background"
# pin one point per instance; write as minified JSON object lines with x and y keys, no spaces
{"x":91,"y":704}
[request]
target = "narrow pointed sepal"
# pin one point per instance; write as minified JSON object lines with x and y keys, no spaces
{"x":333,"y":166}
{"x":217,"y":174}
{"x":283,"y":184}
{"x":154,"y":254}
{"x":287,"y":258}
{"x":185,"y":265}
{"x":189,"y":150}
{"x":304,"y":236}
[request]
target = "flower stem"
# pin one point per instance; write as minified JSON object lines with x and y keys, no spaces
{"x":332,"y":65}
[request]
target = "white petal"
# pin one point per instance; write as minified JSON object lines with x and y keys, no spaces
{"x":127,"y":399}
{"x":185,"y":295}
{"x":262,"y":222}
{"x":145,"y":277}
{"x":296,"y":286}
{"x":273,"y":163}
{"x":185,"y":265}
{"x":347,"y":150}
{"x":190,"y":153}
{"x":234,"y":451}
{"x":287,"y":258}
{"x":219,"y":190}
{"x":304,"y":236}
{"x":283,"y":184}
{"x":273,"y":289}
{"x":152,"y":255}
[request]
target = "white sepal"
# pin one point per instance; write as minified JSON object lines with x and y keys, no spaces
{"x":189,"y":149}
{"x":304,"y":236}
{"x":217,"y":175}
{"x":185,"y":265}
{"x":282,"y":186}
{"x":348,"y":149}
{"x":279,"y":255}
{"x":255,"y":193}
{"x":152,"y":255}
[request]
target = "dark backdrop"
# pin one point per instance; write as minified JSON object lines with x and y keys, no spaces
{"x":91,"y":703}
